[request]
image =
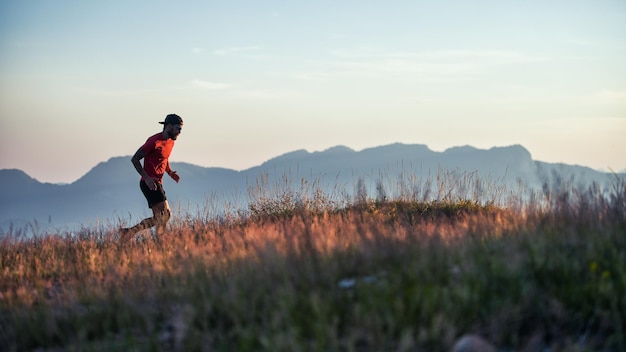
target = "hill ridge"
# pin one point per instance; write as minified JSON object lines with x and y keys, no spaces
{"x":110,"y":188}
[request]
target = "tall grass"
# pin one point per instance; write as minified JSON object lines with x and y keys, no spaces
{"x":300,"y":270}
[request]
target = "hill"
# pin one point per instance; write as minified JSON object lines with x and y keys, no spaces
{"x":109,"y":192}
{"x":374,"y":275}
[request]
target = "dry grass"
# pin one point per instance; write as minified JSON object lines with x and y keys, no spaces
{"x":300,"y":271}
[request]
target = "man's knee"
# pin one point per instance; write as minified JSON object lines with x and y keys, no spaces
{"x":162,"y":212}
{"x":166,"y":215}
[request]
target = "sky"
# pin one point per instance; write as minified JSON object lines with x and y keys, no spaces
{"x":84,"y":81}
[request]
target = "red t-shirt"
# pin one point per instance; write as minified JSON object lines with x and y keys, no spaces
{"x":157,"y":150}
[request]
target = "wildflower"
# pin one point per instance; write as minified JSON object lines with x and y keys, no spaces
{"x":593,"y":267}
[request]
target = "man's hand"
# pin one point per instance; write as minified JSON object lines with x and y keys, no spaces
{"x":174,"y":176}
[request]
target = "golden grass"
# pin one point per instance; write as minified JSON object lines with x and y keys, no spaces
{"x":419,"y":275}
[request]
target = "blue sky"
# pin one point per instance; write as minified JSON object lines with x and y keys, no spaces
{"x":83,"y":81}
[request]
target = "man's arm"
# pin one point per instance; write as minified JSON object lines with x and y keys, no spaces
{"x":171,"y":172}
{"x":139,"y":154}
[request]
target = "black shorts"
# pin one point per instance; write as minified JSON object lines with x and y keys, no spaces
{"x":153,"y":197}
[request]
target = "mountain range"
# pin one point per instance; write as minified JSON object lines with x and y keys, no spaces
{"x":109,"y":193}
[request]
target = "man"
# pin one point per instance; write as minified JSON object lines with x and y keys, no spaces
{"x":155,"y":152}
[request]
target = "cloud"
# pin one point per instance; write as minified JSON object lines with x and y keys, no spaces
{"x":576,"y":39}
{"x":609,"y":96}
{"x":197,"y":50}
{"x":236,"y":50}
{"x":462,"y":56}
{"x":433,"y":66}
{"x":312,"y":76}
{"x":388,"y":69}
{"x":371,"y":54}
{"x":210,"y":85}
{"x":248,"y":94}
{"x":126,"y":92}
{"x":264,"y":94}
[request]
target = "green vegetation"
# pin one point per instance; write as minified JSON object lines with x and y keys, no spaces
{"x":297,"y":273}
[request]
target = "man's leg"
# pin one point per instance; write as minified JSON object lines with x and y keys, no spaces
{"x":161,"y":215}
{"x":161,"y":212}
{"x":127,"y":232}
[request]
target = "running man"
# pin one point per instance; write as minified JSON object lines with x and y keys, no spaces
{"x":155,"y":152}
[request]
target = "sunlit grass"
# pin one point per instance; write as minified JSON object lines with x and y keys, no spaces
{"x":300,"y":270}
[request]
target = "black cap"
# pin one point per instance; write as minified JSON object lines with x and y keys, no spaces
{"x":172,"y":119}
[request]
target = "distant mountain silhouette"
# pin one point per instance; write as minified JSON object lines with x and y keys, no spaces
{"x":109,"y":192}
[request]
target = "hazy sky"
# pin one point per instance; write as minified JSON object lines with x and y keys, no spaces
{"x":84,"y":81}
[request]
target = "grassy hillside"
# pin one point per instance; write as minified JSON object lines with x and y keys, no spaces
{"x":310,"y":273}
